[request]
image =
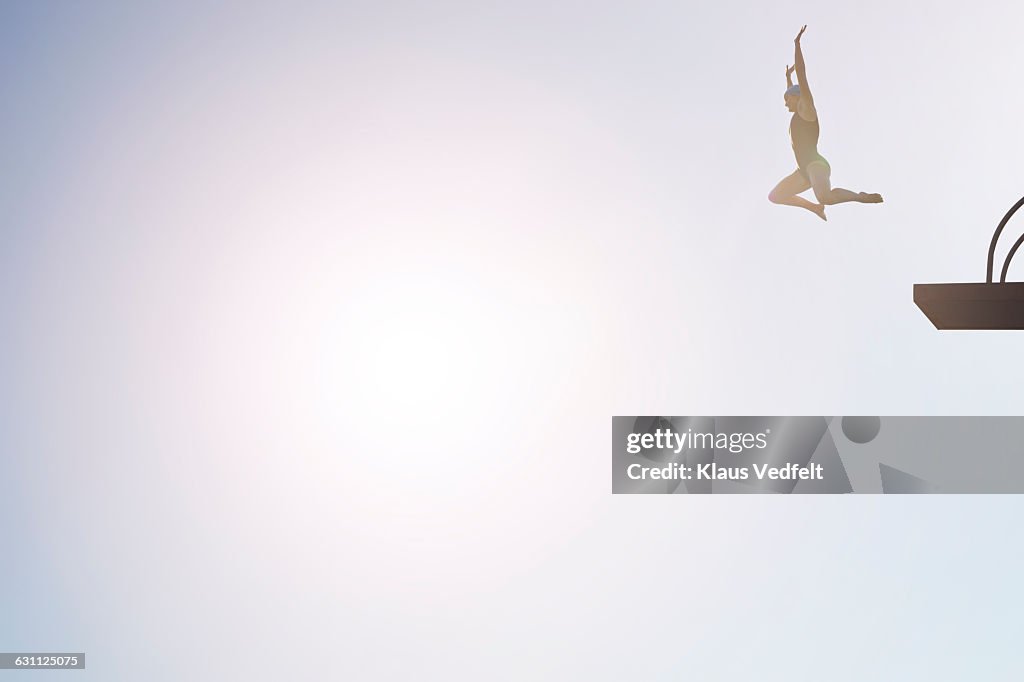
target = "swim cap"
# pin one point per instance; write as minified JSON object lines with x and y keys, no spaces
{"x":793,"y":90}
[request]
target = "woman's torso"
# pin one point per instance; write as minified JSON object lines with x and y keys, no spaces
{"x":804,"y":135}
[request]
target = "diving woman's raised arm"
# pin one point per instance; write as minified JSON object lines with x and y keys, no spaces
{"x":806,"y":99}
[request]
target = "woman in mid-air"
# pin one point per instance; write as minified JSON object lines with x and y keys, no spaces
{"x":813,"y":171}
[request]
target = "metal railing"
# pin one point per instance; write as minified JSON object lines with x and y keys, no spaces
{"x":995,"y":238}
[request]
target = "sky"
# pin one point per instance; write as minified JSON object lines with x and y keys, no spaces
{"x":314,"y":319}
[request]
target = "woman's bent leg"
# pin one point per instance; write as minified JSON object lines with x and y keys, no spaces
{"x":787,"y":190}
{"x":821,"y":182}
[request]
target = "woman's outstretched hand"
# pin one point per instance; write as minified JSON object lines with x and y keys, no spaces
{"x":798,"y":35}
{"x":789,"y":70}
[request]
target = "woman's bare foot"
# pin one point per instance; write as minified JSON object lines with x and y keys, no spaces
{"x":819,"y":210}
{"x":870,"y":198}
